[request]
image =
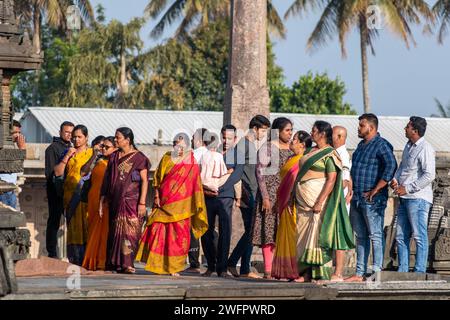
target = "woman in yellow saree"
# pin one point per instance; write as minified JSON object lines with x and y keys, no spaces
{"x":284,"y":264}
{"x":322,"y":220}
{"x":179,"y":205}
{"x":75,"y":211}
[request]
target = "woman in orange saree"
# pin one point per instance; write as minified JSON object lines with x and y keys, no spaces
{"x":179,"y":205}
{"x":284,"y":264}
{"x":98,"y":221}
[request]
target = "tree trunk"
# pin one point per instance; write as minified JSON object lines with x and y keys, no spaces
{"x":37,"y":20}
{"x":122,"y":88}
{"x":364,"y":35}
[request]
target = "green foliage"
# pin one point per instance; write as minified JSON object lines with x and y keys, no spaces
{"x":51,"y":80}
{"x":190,"y":74}
{"x":314,"y":94}
{"x":104,"y":66}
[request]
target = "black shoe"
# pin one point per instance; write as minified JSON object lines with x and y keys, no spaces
{"x":233,"y":271}
{"x":225,"y":275}
{"x":207,"y":273}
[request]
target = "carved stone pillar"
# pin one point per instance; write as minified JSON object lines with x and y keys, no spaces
{"x":16,"y":55}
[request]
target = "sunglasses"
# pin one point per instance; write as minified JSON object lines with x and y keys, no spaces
{"x":103,"y":146}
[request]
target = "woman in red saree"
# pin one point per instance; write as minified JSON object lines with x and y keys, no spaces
{"x":179,"y":205}
{"x":125,"y":190}
{"x":284,"y":264}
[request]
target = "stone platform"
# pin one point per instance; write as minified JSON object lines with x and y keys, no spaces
{"x":144,"y":285}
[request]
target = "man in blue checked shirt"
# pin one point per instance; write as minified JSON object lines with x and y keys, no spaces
{"x":373,"y":167}
{"x":412,"y":183}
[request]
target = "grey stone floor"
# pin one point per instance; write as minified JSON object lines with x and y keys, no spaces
{"x":144,"y":285}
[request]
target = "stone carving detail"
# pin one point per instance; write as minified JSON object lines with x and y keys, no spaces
{"x":442,"y":246}
{"x":16,"y":55}
{"x":7,"y":15}
{"x":17,"y":241}
{"x":438,"y":232}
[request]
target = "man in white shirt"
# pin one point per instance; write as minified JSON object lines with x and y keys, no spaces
{"x":339,"y":139}
{"x":199,"y":147}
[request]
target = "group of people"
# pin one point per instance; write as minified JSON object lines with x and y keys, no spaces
{"x":102,"y":191}
{"x":301,"y":198}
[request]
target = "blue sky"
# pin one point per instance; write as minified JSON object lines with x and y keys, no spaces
{"x":402,"y":82}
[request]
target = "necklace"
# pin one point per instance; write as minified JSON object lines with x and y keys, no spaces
{"x":125,"y":166}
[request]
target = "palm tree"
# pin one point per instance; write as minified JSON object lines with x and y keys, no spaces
{"x":442,"y":11}
{"x":200,"y":12}
{"x":54,"y":11}
{"x":444,"y":112}
{"x":341,"y":16}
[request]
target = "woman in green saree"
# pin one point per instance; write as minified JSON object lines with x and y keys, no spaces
{"x":323,"y":224}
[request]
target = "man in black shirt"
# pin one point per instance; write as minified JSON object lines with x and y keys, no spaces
{"x":247,"y":153}
{"x":55,"y":202}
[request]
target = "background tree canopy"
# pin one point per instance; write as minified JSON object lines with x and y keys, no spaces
{"x":104,"y":65}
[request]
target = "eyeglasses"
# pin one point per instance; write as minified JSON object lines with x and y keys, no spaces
{"x":104,"y":146}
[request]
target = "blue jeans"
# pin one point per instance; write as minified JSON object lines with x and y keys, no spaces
{"x":412,"y":221}
{"x":9,"y":198}
{"x":367,"y":219}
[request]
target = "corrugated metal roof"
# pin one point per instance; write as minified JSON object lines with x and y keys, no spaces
{"x":18,"y":115}
{"x":146,"y":123}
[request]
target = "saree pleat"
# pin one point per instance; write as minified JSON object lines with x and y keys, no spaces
{"x":164,"y":245}
{"x":122,"y":189}
{"x":284,"y":265}
{"x":320,"y":234}
{"x":77,"y":221}
{"x":95,"y":256}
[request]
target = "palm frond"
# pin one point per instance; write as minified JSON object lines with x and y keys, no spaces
{"x":274,"y":21}
{"x":325,"y":27}
{"x":154,"y":8}
{"x":172,"y":13}
{"x":442,"y":11}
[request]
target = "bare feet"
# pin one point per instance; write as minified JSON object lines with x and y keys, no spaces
{"x":129,"y":270}
{"x":176,"y":274}
{"x":354,"y":278}
{"x":336,"y":278}
{"x":250,"y":275}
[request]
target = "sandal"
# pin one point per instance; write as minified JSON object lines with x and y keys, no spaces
{"x":251,"y":275}
{"x":129,"y":270}
{"x":267,"y":276}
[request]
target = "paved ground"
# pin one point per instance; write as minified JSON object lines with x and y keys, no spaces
{"x":143,"y":285}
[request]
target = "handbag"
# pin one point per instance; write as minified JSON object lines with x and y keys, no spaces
{"x":84,"y":193}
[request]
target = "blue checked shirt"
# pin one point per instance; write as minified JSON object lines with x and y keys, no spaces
{"x":372,"y":162}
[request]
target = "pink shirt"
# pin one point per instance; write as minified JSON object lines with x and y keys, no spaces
{"x":212,"y":169}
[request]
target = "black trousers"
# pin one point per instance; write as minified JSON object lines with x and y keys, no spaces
{"x":217,"y":255}
{"x":55,"y":210}
{"x":194,"y":252}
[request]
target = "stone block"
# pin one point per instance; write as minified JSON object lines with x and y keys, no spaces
{"x":44,"y":266}
{"x":11,"y":219}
